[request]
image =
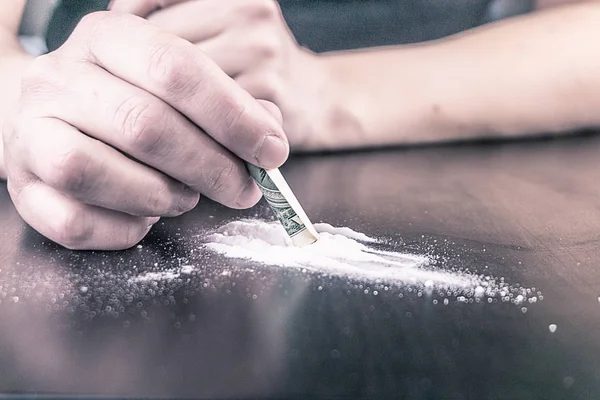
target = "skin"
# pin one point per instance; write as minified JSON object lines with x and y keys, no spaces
{"x":513,"y":78}
{"x":526,"y":76}
{"x":437,"y":91}
{"x":153,"y":123}
{"x":251,"y":42}
{"x":14,"y":61}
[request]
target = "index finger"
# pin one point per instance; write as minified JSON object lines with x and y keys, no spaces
{"x":181,"y":75}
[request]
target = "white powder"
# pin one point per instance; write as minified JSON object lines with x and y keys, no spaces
{"x":155,"y":276}
{"x":187,"y":269}
{"x":339,"y":251}
{"x":165,"y":275}
{"x":344,"y":232}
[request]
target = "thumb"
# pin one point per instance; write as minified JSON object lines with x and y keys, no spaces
{"x":275,"y":112}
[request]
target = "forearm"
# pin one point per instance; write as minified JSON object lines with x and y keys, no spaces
{"x":13,"y":61}
{"x":538,"y":73}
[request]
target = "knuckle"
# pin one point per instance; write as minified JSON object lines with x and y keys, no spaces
{"x":91,"y":22}
{"x":261,"y":9}
{"x":69,"y":171}
{"x":35,"y":73}
{"x":161,"y":63}
{"x":143,"y":124}
{"x":220,"y":177}
{"x":89,"y":27}
{"x":270,"y":89}
{"x":95,"y":27}
{"x":41,"y":73}
{"x":265,"y":87}
{"x":268,"y":47}
{"x":73,"y":230}
{"x":167,"y":67}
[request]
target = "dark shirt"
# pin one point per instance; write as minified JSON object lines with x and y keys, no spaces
{"x":324,"y":25}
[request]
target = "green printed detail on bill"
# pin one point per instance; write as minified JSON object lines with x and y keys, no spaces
{"x":290,"y":220}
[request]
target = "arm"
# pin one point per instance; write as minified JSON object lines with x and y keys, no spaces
{"x":522,"y":76}
{"x":533,"y":74}
{"x":13,"y":61}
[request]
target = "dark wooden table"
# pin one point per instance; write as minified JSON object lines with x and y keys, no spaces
{"x":72,"y":322}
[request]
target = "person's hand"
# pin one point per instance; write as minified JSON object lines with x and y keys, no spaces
{"x":126,"y":123}
{"x":251,"y":42}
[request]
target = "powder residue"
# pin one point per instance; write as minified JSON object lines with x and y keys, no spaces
{"x":347,"y":232}
{"x":155,"y":276}
{"x":339,"y":251}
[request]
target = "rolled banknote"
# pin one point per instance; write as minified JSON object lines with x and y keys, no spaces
{"x":284,"y":204}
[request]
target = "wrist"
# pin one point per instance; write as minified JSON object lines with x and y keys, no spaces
{"x":313,"y":113}
{"x":375,"y":98}
{"x":338,"y":124}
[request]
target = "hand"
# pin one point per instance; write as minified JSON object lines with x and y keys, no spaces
{"x":126,"y":123}
{"x":251,"y":42}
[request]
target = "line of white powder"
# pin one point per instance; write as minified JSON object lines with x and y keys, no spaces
{"x":339,"y":251}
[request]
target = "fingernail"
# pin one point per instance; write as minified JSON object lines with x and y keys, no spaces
{"x":110,"y":4}
{"x":249,"y":195}
{"x":188,"y":200}
{"x":272,"y":152}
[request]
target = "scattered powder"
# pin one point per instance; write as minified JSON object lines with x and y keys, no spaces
{"x":552,"y":328}
{"x":165,"y":275}
{"x":155,"y":276}
{"x":519,"y":299}
{"x":109,"y":286}
{"x":187,"y":269}
{"x":342,"y":252}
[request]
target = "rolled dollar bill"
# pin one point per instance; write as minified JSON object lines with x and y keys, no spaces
{"x":284,"y":204}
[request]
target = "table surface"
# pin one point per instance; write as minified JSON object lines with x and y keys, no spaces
{"x":75,"y":322}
